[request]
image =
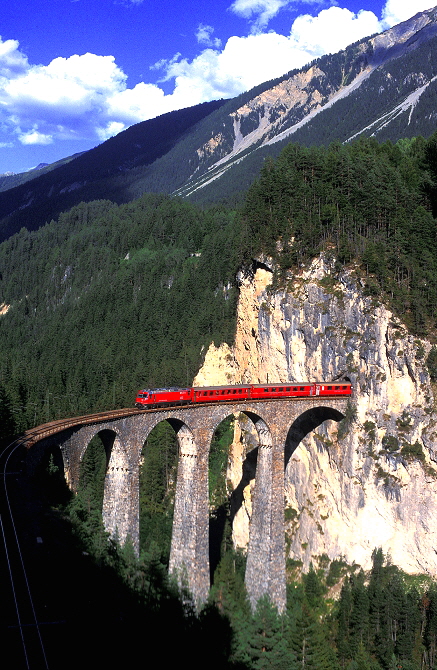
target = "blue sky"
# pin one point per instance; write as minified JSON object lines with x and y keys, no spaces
{"x":75,"y":72}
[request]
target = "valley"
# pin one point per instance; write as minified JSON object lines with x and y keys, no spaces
{"x":284,"y":236}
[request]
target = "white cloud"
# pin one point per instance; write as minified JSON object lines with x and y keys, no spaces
{"x":245,"y":62}
{"x":69,"y":98}
{"x":262,"y":10}
{"x":331,"y":30}
{"x":35,"y":137}
{"x":204,"y":36}
{"x":396,"y":11}
{"x":86,"y":96}
{"x":12,"y":61}
{"x":134,"y":104}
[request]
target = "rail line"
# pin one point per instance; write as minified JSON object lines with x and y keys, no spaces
{"x":46,"y":429}
{"x":33,"y":435}
{"x":19,"y":613}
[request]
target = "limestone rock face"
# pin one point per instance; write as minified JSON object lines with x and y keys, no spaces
{"x":348,"y":488}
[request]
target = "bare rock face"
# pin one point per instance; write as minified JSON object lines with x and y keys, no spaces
{"x":372,"y":480}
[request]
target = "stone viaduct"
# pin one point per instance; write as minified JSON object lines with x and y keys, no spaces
{"x":280,"y":425}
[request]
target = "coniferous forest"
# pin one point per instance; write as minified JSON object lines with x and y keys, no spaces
{"x":110,"y":298}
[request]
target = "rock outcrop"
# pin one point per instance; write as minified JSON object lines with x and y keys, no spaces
{"x":372,"y":480}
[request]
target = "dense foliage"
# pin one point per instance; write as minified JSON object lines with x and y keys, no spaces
{"x":112,"y":299}
{"x":365,"y":204}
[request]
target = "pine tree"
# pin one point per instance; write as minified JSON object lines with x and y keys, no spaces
{"x":309,"y":642}
{"x":261,"y":639}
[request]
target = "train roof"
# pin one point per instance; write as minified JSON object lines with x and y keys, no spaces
{"x":170,"y":388}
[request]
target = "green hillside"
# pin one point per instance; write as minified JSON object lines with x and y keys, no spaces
{"x":109,"y":298}
{"x":114,"y":297}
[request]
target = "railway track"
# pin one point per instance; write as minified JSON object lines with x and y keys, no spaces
{"x":23,"y":645}
{"x":46,"y":429}
{"x":32,"y":620}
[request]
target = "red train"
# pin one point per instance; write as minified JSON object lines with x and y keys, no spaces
{"x":152,"y":398}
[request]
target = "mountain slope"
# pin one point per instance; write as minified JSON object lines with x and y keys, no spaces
{"x":93,"y":174}
{"x":383,"y":86}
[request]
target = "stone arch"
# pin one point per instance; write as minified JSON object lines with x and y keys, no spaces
{"x":304,"y":424}
{"x":157,"y":468}
{"x":88,"y":433}
{"x":249,"y":464}
{"x":118,"y":511}
{"x":220,"y":509}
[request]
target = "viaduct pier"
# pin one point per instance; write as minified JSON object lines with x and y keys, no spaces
{"x":280,"y":426}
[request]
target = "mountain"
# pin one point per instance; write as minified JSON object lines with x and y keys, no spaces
{"x":384,"y":86}
{"x":98,"y":173}
{"x":10,"y":180}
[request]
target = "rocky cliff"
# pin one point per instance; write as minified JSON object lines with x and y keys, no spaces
{"x":370,"y":481}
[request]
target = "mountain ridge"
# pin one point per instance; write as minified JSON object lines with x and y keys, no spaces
{"x":384,"y":86}
{"x":370,"y":54}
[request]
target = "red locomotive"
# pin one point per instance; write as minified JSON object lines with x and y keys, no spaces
{"x":152,"y":398}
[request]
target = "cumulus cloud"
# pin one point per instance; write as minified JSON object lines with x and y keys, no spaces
{"x":68,"y":98}
{"x":12,"y":61}
{"x":245,"y":62}
{"x":35,"y":137}
{"x":331,"y":30}
{"x":86,"y":96}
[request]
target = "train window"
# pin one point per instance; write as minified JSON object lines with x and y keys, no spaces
{"x":211,"y":393}
{"x":205,"y":393}
{"x":273,"y":389}
{"x":337,"y":388}
{"x":344,"y":387}
{"x":302,"y":388}
{"x":266,"y":390}
{"x":329,"y":388}
{"x":240,"y":390}
{"x":294,"y":388}
{"x":287,"y":388}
